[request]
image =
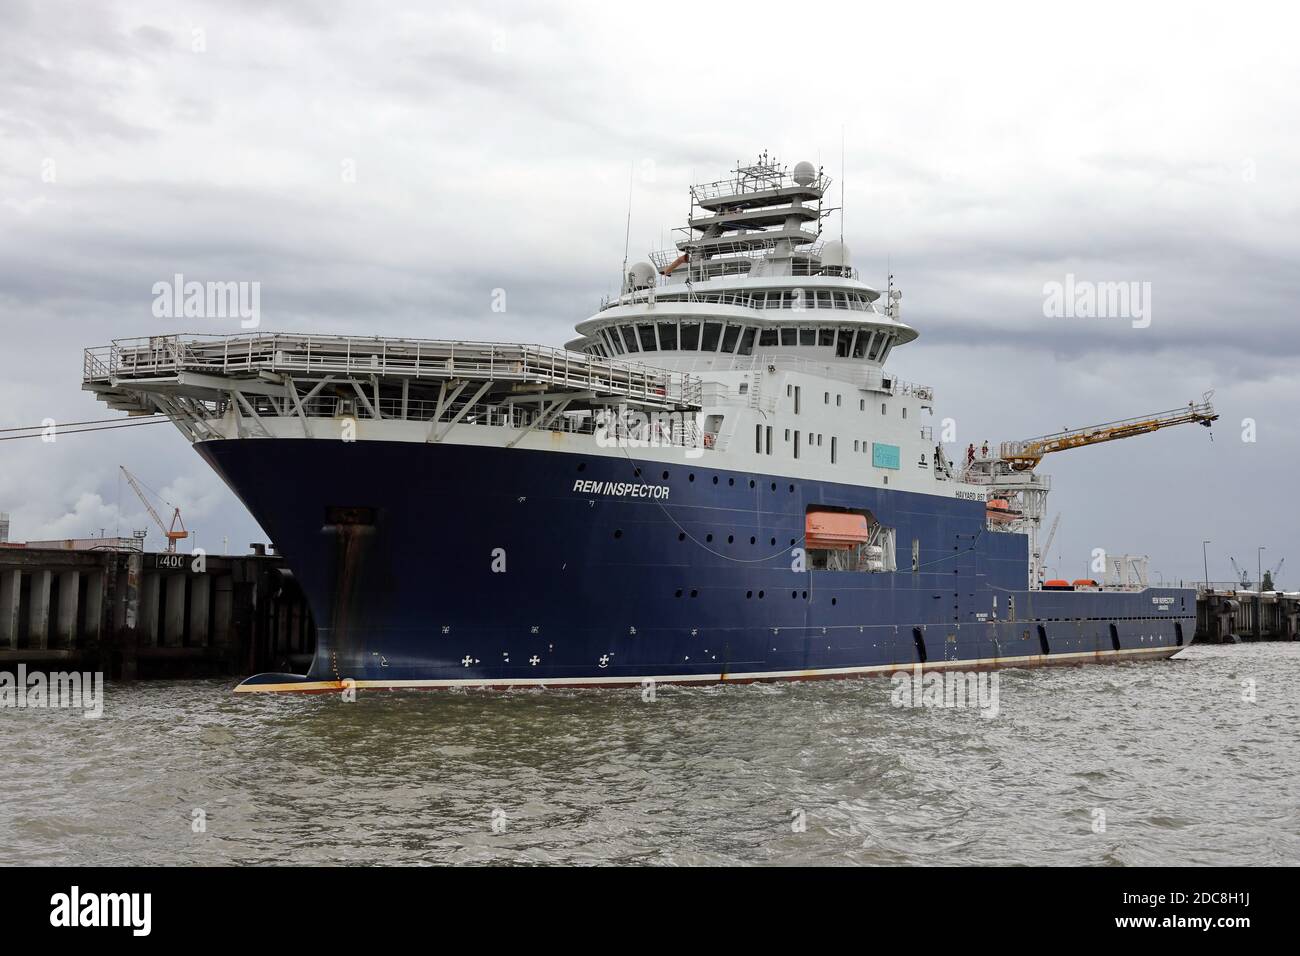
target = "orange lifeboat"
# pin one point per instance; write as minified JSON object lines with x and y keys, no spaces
{"x":999,"y":511}
{"x":1085,"y":583}
{"x":835,"y":530}
{"x":1057,"y":584}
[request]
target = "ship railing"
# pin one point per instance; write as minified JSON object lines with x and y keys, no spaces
{"x":744,"y":183}
{"x":234,"y":355}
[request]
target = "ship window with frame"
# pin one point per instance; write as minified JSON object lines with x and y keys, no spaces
{"x":884,"y":353}
{"x":824,"y":300}
{"x":860,"y":344}
{"x":843,"y":343}
{"x":807,"y":336}
{"x":826,"y":337}
{"x":862,"y":404}
{"x":768,"y":338}
{"x":729,"y":338}
{"x":789,"y":336}
{"x":668,"y":336}
{"x":798,"y":395}
{"x":690,"y":336}
{"x":647,"y":332}
{"x":834,"y":449}
{"x":712,"y":335}
{"x":629,"y":338}
{"x":769,"y":439}
{"x":615,"y":343}
{"x":841,"y":300}
{"x":796,"y":444}
{"x":747,"y":342}
{"x":826,"y":398}
{"x":758,"y":439}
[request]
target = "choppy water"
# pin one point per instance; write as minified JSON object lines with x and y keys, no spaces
{"x":1185,"y":770}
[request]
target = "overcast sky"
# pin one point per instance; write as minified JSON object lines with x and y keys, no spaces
{"x":381,"y":168}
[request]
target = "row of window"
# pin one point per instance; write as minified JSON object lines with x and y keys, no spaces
{"x":763,"y":443}
{"x":794,"y":299}
{"x":796,"y":392}
{"x":729,"y":338}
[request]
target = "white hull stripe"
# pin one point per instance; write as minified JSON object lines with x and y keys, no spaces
{"x":739,"y":677}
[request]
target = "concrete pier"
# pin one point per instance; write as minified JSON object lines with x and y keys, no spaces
{"x":1231,"y":616}
{"x":134,"y":614}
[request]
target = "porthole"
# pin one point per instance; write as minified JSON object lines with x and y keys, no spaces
{"x":731,"y":481}
{"x":774,"y":542}
{"x":805,"y":595}
{"x":708,"y":537}
{"x":731,"y":539}
{"x":618,"y":533}
{"x":690,"y":477}
{"x":694,"y":593}
{"x":834,"y":601}
{"x":760,"y":594}
{"x":792,"y":489}
{"x":753,"y":540}
{"x":749,"y":594}
{"x":681,"y":536}
{"x":715,"y":479}
{"x":677,"y":593}
{"x":794,"y":595}
{"x":582,"y":466}
{"x":665,"y":476}
{"x":774,"y":486}
{"x":751,"y":482}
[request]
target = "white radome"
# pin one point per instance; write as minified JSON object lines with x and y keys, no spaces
{"x":836,"y":254}
{"x":641,"y":276}
{"x":804,"y":173}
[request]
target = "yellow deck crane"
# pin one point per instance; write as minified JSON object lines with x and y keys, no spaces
{"x":1017,"y":496}
{"x":172,"y":534}
{"x":1025,"y":455}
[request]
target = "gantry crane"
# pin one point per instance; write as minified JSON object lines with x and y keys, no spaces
{"x":171,"y":534}
{"x":1025,"y":455}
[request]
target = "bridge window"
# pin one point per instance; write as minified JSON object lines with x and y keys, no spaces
{"x":860,"y":343}
{"x":767,"y":338}
{"x":789,"y":336}
{"x":668,"y":336}
{"x":690,"y":336}
{"x":647,"y":337}
{"x":747,"y":342}
{"x":712,"y":335}
{"x":807,"y":336}
{"x":629,"y":338}
{"x":729,"y":338}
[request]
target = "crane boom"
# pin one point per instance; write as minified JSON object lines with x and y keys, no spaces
{"x":171,"y":534}
{"x":1025,"y":455}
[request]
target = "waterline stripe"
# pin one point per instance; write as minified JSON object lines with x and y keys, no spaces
{"x":987,"y":663}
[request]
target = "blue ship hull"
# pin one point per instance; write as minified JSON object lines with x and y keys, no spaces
{"x":452,"y":565}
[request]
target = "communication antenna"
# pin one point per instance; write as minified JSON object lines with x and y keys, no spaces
{"x":627,"y":235}
{"x":841,"y":184}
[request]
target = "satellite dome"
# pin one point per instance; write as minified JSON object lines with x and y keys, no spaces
{"x":804,"y":173}
{"x":836,"y":255}
{"x":641,"y":276}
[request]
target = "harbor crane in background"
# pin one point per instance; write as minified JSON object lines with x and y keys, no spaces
{"x":172,"y":534}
